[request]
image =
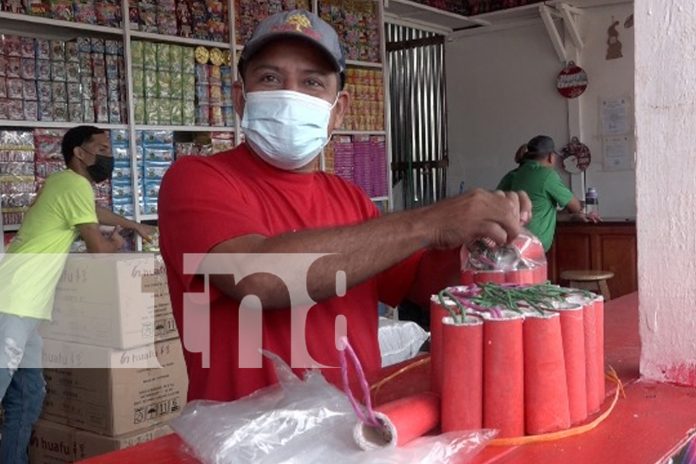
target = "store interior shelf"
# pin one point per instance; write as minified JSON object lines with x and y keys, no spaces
{"x":358,"y":132}
{"x":148,"y":217}
{"x":184,"y":128}
{"x":11,"y":227}
{"x":57,"y":125}
{"x":177,"y":40}
{"x":9,"y":22}
{"x":407,"y":9}
{"x":364,"y":64}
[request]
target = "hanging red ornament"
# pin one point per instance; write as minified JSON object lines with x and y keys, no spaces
{"x":571,"y":81}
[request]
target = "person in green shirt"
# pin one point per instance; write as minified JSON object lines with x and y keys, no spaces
{"x":29,"y":271}
{"x":536,"y":176}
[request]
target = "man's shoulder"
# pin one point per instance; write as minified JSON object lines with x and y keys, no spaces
{"x":219,"y":162}
{"x":67,"y":180}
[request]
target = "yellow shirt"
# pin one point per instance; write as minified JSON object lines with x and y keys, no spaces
{"x":35,"y":259}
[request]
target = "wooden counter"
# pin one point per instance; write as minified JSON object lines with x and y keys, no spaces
{"x":607,"y":246}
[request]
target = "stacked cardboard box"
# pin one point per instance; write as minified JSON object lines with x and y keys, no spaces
{"x":113,"y":362}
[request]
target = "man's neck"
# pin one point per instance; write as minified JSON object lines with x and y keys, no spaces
{"x":80,"y":169}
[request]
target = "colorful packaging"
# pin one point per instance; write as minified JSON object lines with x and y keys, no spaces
{"x":87,"y":111}
{"x":28,"y":68}
{"x":85,"y":11}
{"x":151,"y":110}
{"x":164,"y":110}
{"x":177,"y":112}
{"x":71,"y":51}
{"x":137,"y":53}
{"x":189,"y":113}
{"x":138,"y":81}
{"x":150,"y":56}
{"x":60,"y":111}
{"x":163,"y":84}
{"x":13,"y":66}
{"x":58,"y":71}
{"x":72,"y":72}
{"x":29,"y":90}
{"x":27,"y":47}
{"x":15,"y":88}
{"x":75,"y":111}
{"x":139,"y":109}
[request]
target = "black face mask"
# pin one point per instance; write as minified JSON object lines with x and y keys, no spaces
{"x":101,"y":169}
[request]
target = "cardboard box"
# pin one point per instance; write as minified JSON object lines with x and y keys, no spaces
{"x":53,"y":443}
{"x":113,"y":392}
{"x":117,"y":301}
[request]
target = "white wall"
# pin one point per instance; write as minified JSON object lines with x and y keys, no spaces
{"x":501,"y":92}
{"x":665,"y":122}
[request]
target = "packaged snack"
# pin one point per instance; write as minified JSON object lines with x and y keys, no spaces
{"x":227,"y":96}
{"x":44,"y":90}
{"x":114,"y":112}
{"x":139,"y":109}
{"x":62,"y":9}
{"x":111,"y":63}
{"x":98,"y":45}
{"x":75,"y":112}
{"x":98,"y":65}
{"x":202,"y":74}
{"x":203,"y":93}
{"x":188,"y":62}
{"x":151,"y":83}
{"x":158,"y":155}
{"x":163,"y":84}
{"x":43,"y":49}
{"x":4,"y":108}
{"x":216,"y":118}
{"x":12,"y":45}
{"x":137,"y":53}
{"x":152,"y":190}
{"x":113,"y":88}
{"x":226,"y":75}
{"x":150,"y":55}
{"x":164,"y":109}
{"x":176,"y":87}
{"x":133,"y":17}
{"x":14,"y":6}
{"x":108,"y":14}
{"x":176,"y":54}
{"x":74,"y":91}
{"x":43,"y":70}
{"x":87,"y":88}
{"x":228,"y":115}
{"x":121,"y":189}
{"x":99,"y":89}
{"x":45,"y":110}
{"x":15,"y":88}
{"x":177,"y":114}
{"x":83,"y":45}
{"x":31,"y":110}
{"x":28,"y":68}
{"x":3,"y":88}
{"x":58,"y":71}
{"x":112,"y":47}
{"x":72,"y":71}
{"x":183,"y":18}
{"x":29,"y":90}
{"x":156,"y":138}
{"x":27,"y":47}
{"x":121,"y":172}
{"x":15,"y":110}
{"x":60,"y":111}
{"x":138,"y":82}
{"x":71,"y":51}
{"x":57,"y":50}
{"x":155,"y":170}
{"x":148,"y":17}
{"x":85,"y":63}
{"x":101,"y":110}
{"x":85,"y":11}
{"x":215,"y":94}
{"x":214,"y":75}
{"x":119,"y":137}
{"x":87,"y":111}
{"x":202,"y":113}
{"x":163,"y":51}
{"x":13,"y":66}
{"x":151,"y":111}
{"x":189,"y":113}
{"x":188,"y":86}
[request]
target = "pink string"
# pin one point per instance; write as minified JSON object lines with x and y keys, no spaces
{"x":365,"y":414}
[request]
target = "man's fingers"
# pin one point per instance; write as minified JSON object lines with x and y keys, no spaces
{"x":525,"y":207}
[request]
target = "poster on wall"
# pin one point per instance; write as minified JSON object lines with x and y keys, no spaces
{"x":618,"y":153}
{"x":615,"y":116}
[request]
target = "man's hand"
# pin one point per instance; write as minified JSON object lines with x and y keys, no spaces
{"x":115,"y":239}
{"x":498,"y":216}
{"x":145,"y":231}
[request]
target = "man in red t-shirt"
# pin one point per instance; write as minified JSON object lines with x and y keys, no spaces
{"x":267,"y":197}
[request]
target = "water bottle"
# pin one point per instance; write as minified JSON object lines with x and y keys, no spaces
{"x":591,"y":201}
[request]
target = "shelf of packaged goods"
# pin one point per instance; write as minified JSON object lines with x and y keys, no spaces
{"x":11,"y":227}
{"x":57,"y":125}
{"x":148,"y":217}
{"x":358,"y":132}
{"x":379,"y":198}
{"x":177,"y":40}
{"x":183,"y":128}
{"x":363,"y":64}
{"x":407,"y":9}
{"x":7,"y":18}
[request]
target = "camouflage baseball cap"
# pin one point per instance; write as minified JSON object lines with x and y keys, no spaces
{"x":296,"y":23}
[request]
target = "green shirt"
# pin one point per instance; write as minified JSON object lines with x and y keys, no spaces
{"x":34,"y":261}
{"x":547,"y":192}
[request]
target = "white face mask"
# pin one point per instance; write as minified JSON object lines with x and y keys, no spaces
{"x":286,"y":129}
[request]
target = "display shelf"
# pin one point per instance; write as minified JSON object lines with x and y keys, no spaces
{"x":358,"y":132}
{"x":184,"y":128}
{"x":11,"y":227}
{"x":407,"y":9}
{"x":148,"y":217}
{"x":57,"y":125}
{"x":177,"y":40}
{"x":364,"y":64}
{"x":9,"y":18}
{"x":384,"y":198}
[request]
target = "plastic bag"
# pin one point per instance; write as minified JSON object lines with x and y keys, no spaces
{"x":399,"y":340}
{"x":302,"y":422}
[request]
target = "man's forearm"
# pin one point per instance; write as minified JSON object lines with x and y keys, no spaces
{"x":109,"y":218}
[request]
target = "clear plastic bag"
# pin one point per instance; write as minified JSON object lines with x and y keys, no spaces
{"x":303,"y":422}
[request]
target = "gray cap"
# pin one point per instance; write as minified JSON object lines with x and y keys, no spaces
{"x":541,"y":145}
{"x":297,"y":23}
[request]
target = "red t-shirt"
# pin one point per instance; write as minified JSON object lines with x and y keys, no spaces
{"x":206,"y":201}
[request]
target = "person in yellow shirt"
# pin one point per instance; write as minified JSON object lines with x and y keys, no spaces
{"x":29,"y":271}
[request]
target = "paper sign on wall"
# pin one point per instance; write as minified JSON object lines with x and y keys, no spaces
{"x":615,"y":117}
{"x":618,"y":153}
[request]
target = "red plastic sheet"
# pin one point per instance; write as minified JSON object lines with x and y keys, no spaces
{"x":545,"y":388}
{"x":574,"y":354}
{"x":462,"y":387}
{"x":503,"y":375}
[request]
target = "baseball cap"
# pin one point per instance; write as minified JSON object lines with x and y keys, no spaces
{"x":301,"y":24}
{"x":541,"y":144}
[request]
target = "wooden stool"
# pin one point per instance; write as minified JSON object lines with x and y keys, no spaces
{"x":589,"y":280}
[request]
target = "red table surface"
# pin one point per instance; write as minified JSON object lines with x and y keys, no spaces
{"x":648,"y":426}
